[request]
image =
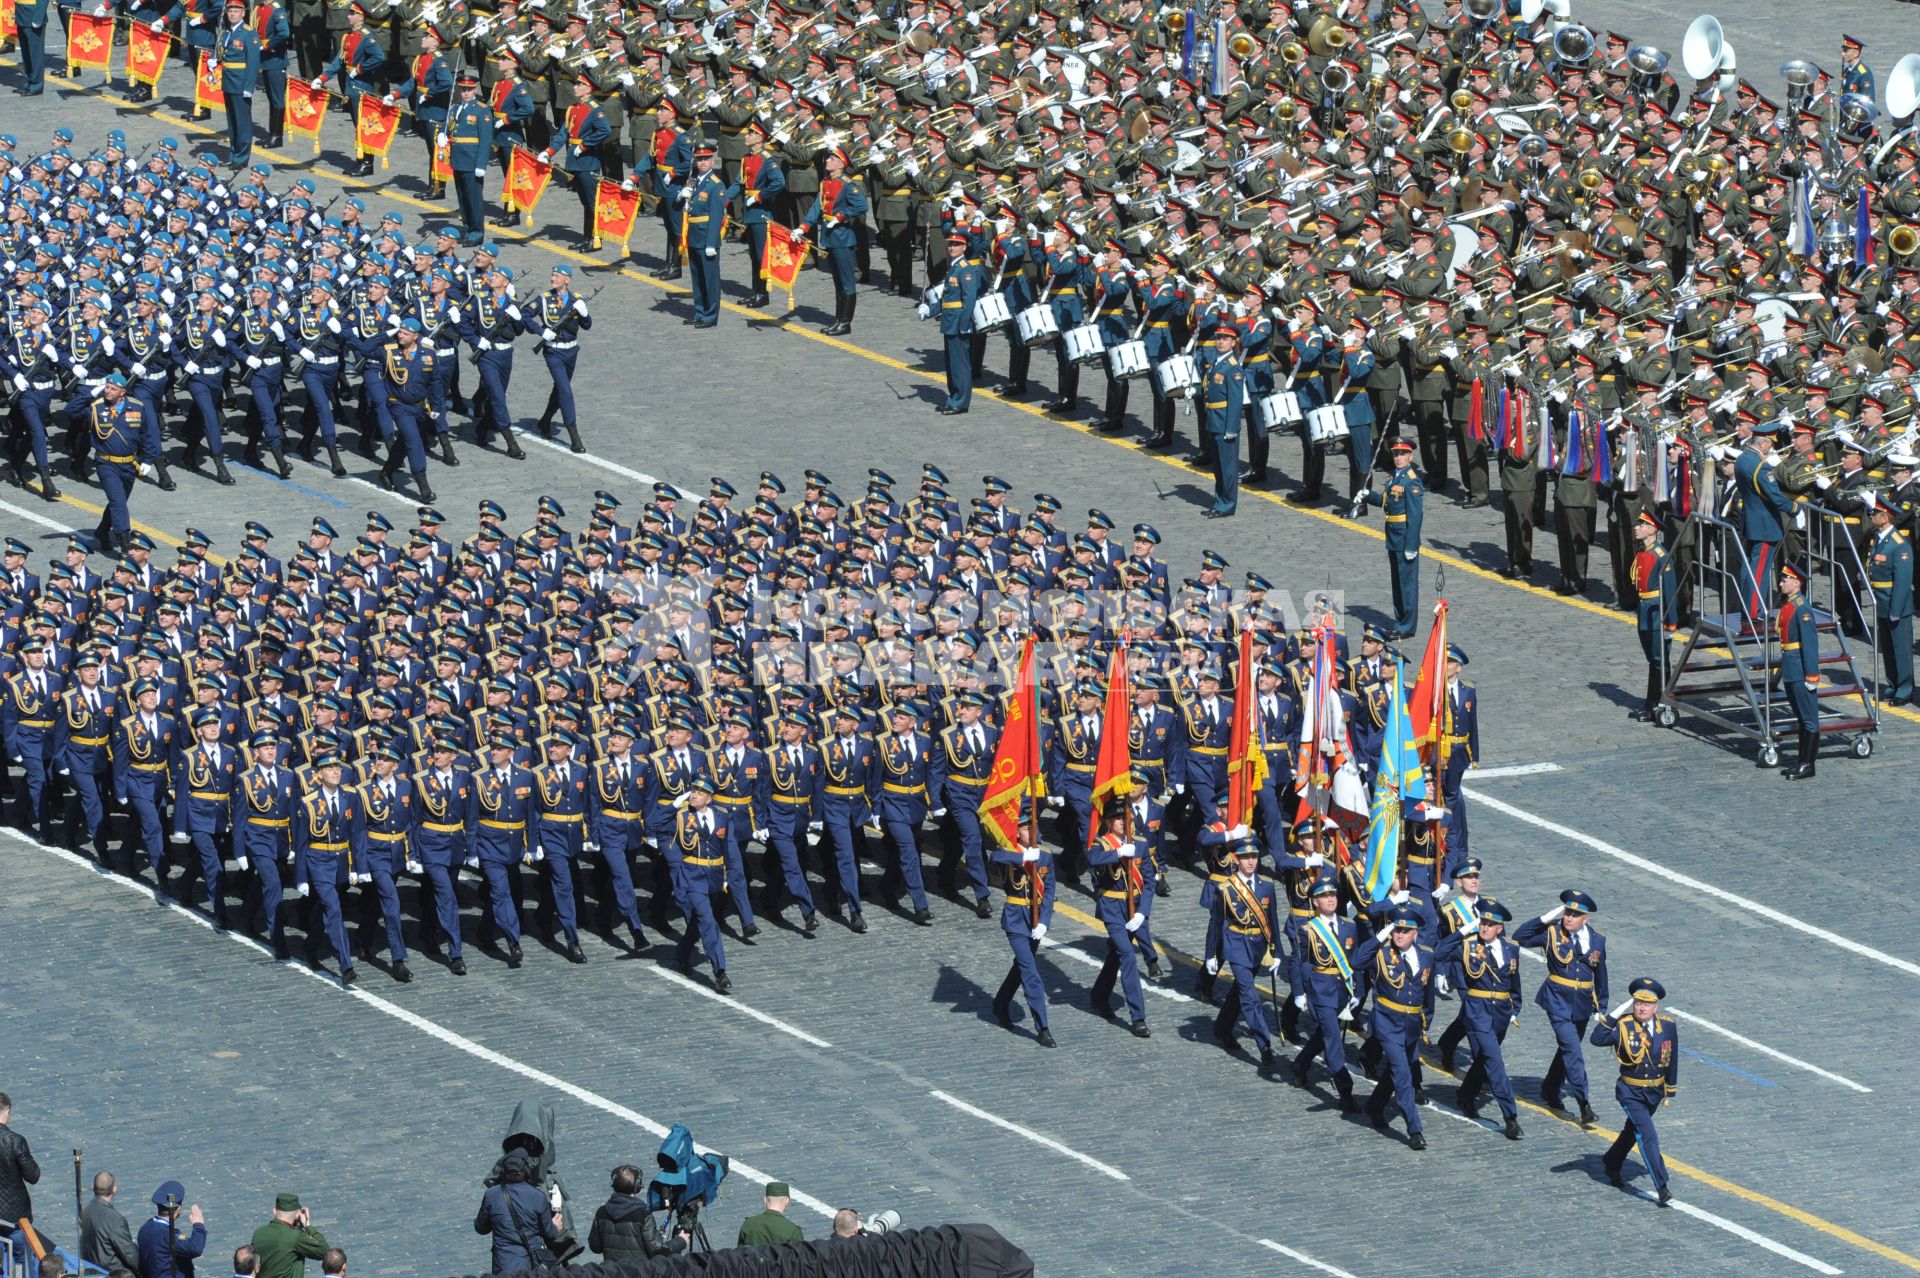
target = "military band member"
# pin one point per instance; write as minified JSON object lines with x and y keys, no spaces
{"x":1575,"y":989}
{"x":1647,"y":1047}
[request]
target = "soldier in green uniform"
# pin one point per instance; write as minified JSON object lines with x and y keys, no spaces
{"x":287,"y":1242}
{"x":771,"y":1227}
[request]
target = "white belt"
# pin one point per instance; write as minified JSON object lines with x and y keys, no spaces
{"x":562,"y":346}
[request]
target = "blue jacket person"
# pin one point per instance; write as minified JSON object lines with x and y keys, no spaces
{"x":1575,"y":989}
{"x":1647,"y":1047}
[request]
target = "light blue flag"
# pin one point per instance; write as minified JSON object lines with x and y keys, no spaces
{"x":1399,"y":782}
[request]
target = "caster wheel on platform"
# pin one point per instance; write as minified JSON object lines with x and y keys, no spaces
{"x":1665,"y":716}
{"x":1769,"y":756}
{"x":1863,"y":747}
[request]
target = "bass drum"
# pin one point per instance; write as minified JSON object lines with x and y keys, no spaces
{"x":1084,"y":344}
{"x":991,"y":313}
{"x":1037,"y":325}
{"x":1128,"y":360}
{"x":1177,"y":375}
{"x":1327,"y":425}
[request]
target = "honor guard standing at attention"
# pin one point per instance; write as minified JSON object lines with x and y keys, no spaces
{"x":1025,"y":917}
{"x":703,"y":223}
{"x":1799,"y":634}
{"x":1224,"y":397}
{"x":1246,"y":909}
{"x":1120,"y":898}
{"x":469,"y":145}
{"x":1404,"y":504}
{"x":1575,"y":989}
{"x":1399,"y":972}
{"x":329,"y":841}
{"x":837,"y":211}
{"x":561,"y":316}
{"x":762,"y":185}
{"x":387,"y":802}
{"x":1647,"y":1046}
{"x":117,"y":424}
{"x":696,"y":855}
{"x":504,"y":794}
{"x":587,"y":131}
{"x":965,"y":280}
{"x":1323,"y":983}
{"x":1890,"y":576}
{"x":360,"y":65}
{"x":238,"y":56}
{"x":1484,"y":970}
{"x":1657,"y":585}
{"x":275,"y":34}
{"x":443,"y":838}
{"x":264,"y":803}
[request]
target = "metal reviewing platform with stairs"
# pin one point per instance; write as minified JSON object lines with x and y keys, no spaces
{"x":1722,"y":663}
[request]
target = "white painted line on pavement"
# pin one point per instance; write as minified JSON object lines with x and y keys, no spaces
{"x":35,"y":517}
{"x":615,"y":468}
{"x":674,"y":978}
{"x":1305,"y":1259}
{"x":1515,"y":770}
{"x":1772,"y":915}
{"x":1030,"y":1134}
{"x":432,"y":1029}
{"x":1067,"y":951}
{"x":1692,"y":1018}
{"x":1742,"y":1039}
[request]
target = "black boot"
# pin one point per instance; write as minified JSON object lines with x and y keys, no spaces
{"x":280,"y":462}
{"x":421,"y":486}
{"x":842,"y":305}
{"x":446,"y":450}
{"x":164,"y":479}
{"x":573,"y":439}
{"x":389,"y":470}
{"x":333,"y":460}
{"x":513,"y":448}
{"x":47,"y":491}
{"x":369,"y":443}
{"x":309,"y":448}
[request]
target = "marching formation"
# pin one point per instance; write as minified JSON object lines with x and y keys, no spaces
{"x":716,"y":712}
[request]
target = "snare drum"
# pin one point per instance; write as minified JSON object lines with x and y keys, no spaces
{"x":1177,"y":375}
{"x":1037,"y":325}
{"x":1084,"y":344}
{"x":991,"y":312}
{"x":1128,"y":359}
{"x":1282,"y":408}
{"x":1327,"y":425}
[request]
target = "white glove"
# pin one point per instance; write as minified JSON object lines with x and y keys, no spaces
{"x":471,"y":863}
{"x":319,"y":82}
{"x":213,"y":64}
{"x":580,"y":305}
{"x":1056,"y":801}
{"x":1039,"y":931}
{"x":303,"y":891}
{"x":1442,"y":892}
{"x":1441,"y":983}
{"x":414,"y":867}
{"x":480,"y":172}
{"x":1346,"y":261}
{"x":1395,"y":271}
{"x":513,"y":312}
{"x":680,"y":196}
{"x":1213,"y":967}
{"x":712,"y":251}
{"x":1315,"y":861}
{"x":939,"y":812}
{"x":1453,"y":352}
{"x":1346,"y":1013}
{"x":1559,"y":397}
{"x":253,"y":361}
{"x":548,"y":335}
{"x":815,"y":827}
{"x":158,"y":24}
{"x":1275,"y":965}
{"x":1553,"y":914}
{"x":1126,"y":851}
{"x":1181,"y":788}
{"x":180,"y":837}
{"x":1300,"y":1002}
{"x":1136,"y":921}
{"x":1820,"y":481}
{"x":387,"y":99}
{"x":19,"y":381}
{"x":333,"y":325}
{"x":1239,"y":832}
{"x":220,"y":338}
{"x":1029,"y":855}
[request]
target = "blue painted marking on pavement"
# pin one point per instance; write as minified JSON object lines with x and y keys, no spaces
{"x":1731,"y":1069}
{"x":268,"y":475}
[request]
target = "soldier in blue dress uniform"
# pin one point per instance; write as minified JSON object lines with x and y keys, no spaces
{"x":329,"y":840}
{"x":408,"y":369}
{"x":1247,"y":910}
{"x":561,"y":315}
{"x":965,"y":280}
{"x":1404,"y":505}
{"x":504,"y":798}
{"x":1575,"y":989}
{"x":962,"y":766}
{"x":1398,"y":970}
{"x":793,"y":782}
{"x":443,"y":837}
{"x":704,"y":202}
{"x":1121,"y":897}
{"x":1484,"y":969}
{"x":1647,"y":1047}
{"x":1889,"y":565}
{"x":238,"y":53}
{"x":1324,"y":984}
{"x":1460,"y":747}
{"x":623,"y":794}
{"x":83,"y":736}
{"x":118,"y":423}
{"x":384,"y":846}
{"x":898,"y":792}
{"x":1855,"y":75}
{"x":470,"y":141}
{"x":263,"y":808}
{"x":1025,"y":920}
{"x":206,"y":768}
{"x":560,"y":831}
{"x":142,"y":760}
{"x":1223,"y":402}
{"x":696,"y":854}
{"x":27,"y":712}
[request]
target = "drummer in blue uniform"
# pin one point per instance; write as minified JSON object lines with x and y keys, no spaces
{"x":1575,"y":989}
{"x":1647,"y":1047}
{"x":1398,"y":970}
{"x":1484,"y":969}
{"x":1404,"y":504}
{"x":1247,"y":910}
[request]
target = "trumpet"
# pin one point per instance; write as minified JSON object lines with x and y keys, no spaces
{"x":1903,"y":240}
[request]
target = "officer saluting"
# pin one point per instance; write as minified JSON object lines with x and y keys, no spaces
{"x":1647,"y":1046}
{"x":1399,"y":970}
{"x":1575,"y":988}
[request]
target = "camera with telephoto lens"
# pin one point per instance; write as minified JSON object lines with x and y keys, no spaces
{"x":688,"y":1181}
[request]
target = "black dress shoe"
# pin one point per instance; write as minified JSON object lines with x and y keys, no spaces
{"x":1379,"y":1121}
{"x":983,"y":908}
{"x":1417,"y":1141}
{"x":1348,"y":1105}
{"x":1614,"y":1178}
{"x":639,"y":939}
{"x":809,"y":921}
{"x":458,"y":967}
{"x":1303,"y":497}
{"x":1267,"y":1059}
{"x":1586,"y":1114}
{"x":923,"y":918}
{"x":946,"y":410}
{"x":1513,"y":1129}
{"x":402,"y":973}
{"x":1297,"y":1077}
{"x":721,"y":982}
{"x":514,"y":956}
{"x":1153,"y":968}
{"x":1046,"y":1038}
{"x":1139,"y":1030}
{"x":750,"y":931}
{"x":1226,"y":1039}
{"x":573,"y":953}
{"x":1419,"y":1095}
{"x":1666,"y":1195}
{"x":857,"y":922}
{"x":349,"y":977}
{"x":1003,"y":1015}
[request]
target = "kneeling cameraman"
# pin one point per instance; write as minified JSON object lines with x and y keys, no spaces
{"x":623,"y":1228}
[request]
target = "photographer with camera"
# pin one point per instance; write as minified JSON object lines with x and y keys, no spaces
{"x":287,"y":1242}
{"x":524,"y":1226}
{"x":624,"y":1230}
{"x":771,"y":1227}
